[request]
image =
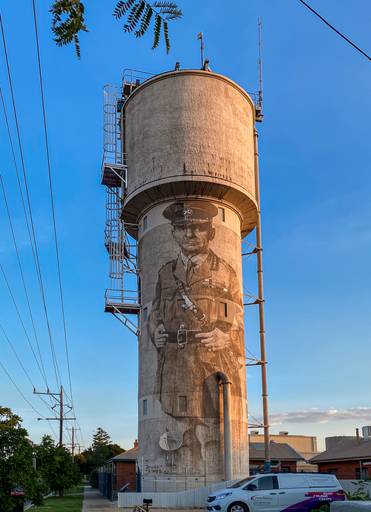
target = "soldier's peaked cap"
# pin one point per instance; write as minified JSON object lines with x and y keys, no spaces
{"x":185,"y":212}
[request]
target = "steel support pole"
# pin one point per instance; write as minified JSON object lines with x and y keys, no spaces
{"x":263,"y":356}
{"x":61,"y":417}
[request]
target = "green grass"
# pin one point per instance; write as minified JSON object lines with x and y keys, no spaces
{"x":65,"y":504}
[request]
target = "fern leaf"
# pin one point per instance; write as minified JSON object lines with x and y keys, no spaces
{"x":169,"y":9}
{"x":166,"y":37}
{"x":134,"y":16}
{"x":122,"y":8}
{"x":146,"y":20}
{"x":157,"y":31}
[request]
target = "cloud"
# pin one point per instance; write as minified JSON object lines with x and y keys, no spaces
{"x":321,"y":416}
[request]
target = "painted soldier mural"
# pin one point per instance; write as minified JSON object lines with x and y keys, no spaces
{"x":196,"y":326}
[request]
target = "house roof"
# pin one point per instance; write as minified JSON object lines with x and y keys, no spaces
{"x":279,"y":451}
{"x":345,"y":448}
{"x":129,"y":455}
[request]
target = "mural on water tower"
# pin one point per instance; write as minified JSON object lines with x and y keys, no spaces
{"x":196,"y":327}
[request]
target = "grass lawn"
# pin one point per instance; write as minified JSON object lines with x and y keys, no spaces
{"x":69,"y":503}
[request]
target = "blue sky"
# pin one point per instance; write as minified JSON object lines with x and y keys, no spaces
{"x":315,"y":186}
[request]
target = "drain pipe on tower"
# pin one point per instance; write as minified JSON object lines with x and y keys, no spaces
{"x":226,"y":384}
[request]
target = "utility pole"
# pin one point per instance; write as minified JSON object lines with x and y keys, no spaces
{"x":263,"y":356}
{"x":73,"y":443}
{"x":59,"y":399}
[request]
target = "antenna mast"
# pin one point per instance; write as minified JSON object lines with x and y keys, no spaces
{"x":259,"y":106}
{"x":200,"y":36}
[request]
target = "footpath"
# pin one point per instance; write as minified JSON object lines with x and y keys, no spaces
{"x":95,"y":502}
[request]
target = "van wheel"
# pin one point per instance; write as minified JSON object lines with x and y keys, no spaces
{"x":238,"y":506}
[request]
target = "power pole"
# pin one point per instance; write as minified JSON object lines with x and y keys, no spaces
{"x":59,"y":399}
{"x":73,"y":443}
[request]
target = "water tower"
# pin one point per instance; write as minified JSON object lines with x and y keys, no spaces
{"x":180,"y":169}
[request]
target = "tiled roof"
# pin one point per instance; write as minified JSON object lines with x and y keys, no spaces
{"x":279,"y":451}
{"x":131,"y":454}
{"x":348,"y":448}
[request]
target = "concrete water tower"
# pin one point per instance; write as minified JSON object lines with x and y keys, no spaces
{"x":182,"y":191}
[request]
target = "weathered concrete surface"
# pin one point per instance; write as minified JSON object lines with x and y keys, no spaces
{"x":350,"y":506}
{"x":94,"y":501}
{"x":189,"y":140}
{"x":196,"y":127}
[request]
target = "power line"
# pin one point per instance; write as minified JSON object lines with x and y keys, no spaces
{"x":51,"y":195}
{"x":11,"y":345}
{"x":35,"y":248}
{"x":335,"y":30}
{"x":20,"y":391}
{"x":19,"y":316}
{"x":23,"y":279}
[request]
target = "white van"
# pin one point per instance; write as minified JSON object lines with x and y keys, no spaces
{"x":277,"y":492}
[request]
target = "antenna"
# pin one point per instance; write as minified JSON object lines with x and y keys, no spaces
{"x":200,"y":36}
{"x":259,"y":106}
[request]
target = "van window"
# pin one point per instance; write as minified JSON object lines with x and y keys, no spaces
{"x":242,"y":482}
{"x":323,"y":481}
{"x":264,"y":483}
{"x":293,"y":481}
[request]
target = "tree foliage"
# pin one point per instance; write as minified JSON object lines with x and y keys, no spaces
{"x":100,"y":438}
{"x":56,"y":467}
{"x":68,"y":20}
{"x":16,"y":461}
{"x":101,"y":450}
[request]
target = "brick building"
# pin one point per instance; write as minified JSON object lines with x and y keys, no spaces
{"x":346,"y":457}
{"x":124,"y":469}
{"x":119,"y":472}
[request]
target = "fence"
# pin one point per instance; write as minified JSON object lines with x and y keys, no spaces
{"x":194,"y":498}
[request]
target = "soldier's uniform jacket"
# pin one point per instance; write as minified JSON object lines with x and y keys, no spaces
{"x":185,"y":367}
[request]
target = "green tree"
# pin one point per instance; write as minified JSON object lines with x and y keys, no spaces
{"x":101,"y":450}
{"x":16,"y":461}
{"x":56,"y":466}
{"x":100,"y":438}
{"x":68,"y":20}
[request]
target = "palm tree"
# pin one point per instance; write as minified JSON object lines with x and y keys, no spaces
{"x":68,"y":20}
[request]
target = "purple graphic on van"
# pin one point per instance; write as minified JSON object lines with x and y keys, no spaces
{"x":314,"y":499}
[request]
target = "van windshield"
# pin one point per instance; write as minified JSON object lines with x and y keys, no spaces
{"x":240,"y":483}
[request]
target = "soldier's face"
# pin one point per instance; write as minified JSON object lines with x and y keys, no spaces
{"x":193,"y":238}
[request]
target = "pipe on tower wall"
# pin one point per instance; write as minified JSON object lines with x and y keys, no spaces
{"x":226,"y":385}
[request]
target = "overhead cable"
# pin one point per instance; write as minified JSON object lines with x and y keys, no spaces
{"x":20,"y":316}
{"x":20,"y":391}
{"x":51,"y":194}
{"x":19,"y":360}
{"x":336,"y":30}
{"x":35,"y":252}
{"x":23,"y":280}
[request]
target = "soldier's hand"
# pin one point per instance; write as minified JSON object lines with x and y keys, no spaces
{"x":214,"y":340}
{"x":160,"y":336}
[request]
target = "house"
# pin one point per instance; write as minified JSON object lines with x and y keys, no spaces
{"x":124,"y":469}
{"x":118,"y":473}
{"x":306,"y":446}
{"x":283,"y":457}
{"x":347,"y":457}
